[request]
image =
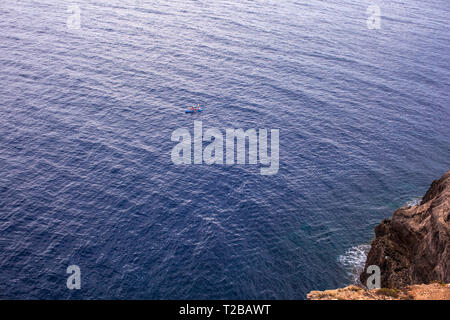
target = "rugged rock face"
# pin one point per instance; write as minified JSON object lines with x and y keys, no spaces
{"x":412,"y":250}
{"x":434,"y":291}
{"x":413,"y":247}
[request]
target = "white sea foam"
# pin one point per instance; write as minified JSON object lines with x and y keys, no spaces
{"x":413,"y":202}
{"x":354,"y":260}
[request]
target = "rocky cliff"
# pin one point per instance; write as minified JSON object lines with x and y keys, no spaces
{"x":412,"y":250}
{"x":413,"y":247}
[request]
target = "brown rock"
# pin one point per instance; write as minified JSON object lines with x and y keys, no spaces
{"x":433,"y":291}
{"x":414,"y":246}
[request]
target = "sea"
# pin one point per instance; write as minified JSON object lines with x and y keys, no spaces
{"x":92,"y":90}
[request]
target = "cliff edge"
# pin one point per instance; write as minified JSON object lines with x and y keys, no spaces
{"x":412,"y":250}
{"x":433,"y":291}
{"x":413,"y":247}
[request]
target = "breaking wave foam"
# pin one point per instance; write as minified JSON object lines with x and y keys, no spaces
{"x":354,"y":260}
{"x":413,"y":202}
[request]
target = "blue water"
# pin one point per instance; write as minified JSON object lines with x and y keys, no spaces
{"x":86,"y":117}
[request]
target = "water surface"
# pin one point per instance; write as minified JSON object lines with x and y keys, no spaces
{"x":86,"y":117}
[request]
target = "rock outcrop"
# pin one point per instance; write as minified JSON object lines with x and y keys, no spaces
{"x":412,"y":250}
{"x":413,"y":247}
{"x":434,"y":291}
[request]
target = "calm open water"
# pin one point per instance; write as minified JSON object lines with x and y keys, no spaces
{"x":86,"y":117}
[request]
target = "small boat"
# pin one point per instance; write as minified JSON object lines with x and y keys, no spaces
{"x":194,"y":110}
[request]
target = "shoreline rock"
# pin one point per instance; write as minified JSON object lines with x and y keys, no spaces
{"x":434,"y":291}
{"x":412,"y":250}
{"x":413,"y":247}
